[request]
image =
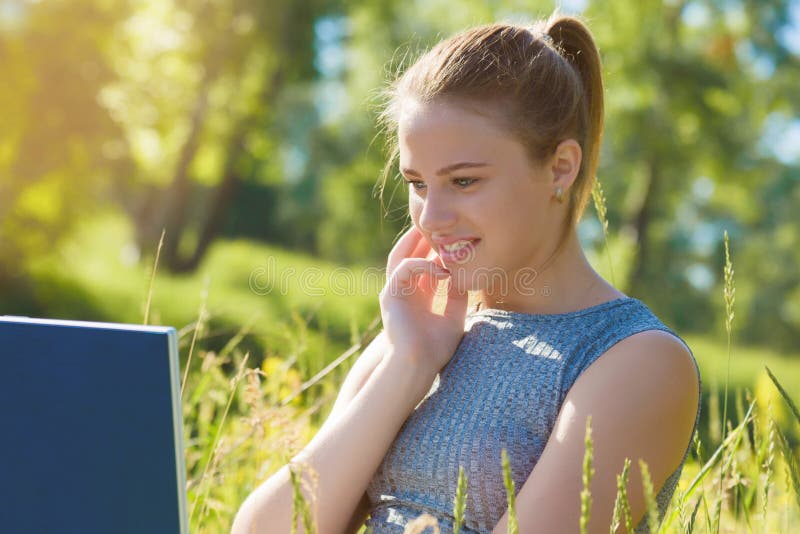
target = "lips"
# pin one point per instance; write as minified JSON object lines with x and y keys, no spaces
{"x":460,"y":251}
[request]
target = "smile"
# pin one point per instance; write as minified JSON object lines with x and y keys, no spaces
{"x":458,"y":252}
{"x":456,"y":246}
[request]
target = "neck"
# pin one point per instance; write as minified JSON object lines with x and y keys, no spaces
{"x":563,"y":283}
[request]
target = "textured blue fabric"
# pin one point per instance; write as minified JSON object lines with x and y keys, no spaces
{"x":503,"y":388}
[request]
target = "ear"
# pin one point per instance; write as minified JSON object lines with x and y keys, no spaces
{"x":565,"y":163}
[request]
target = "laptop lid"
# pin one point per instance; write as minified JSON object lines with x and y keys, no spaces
{"x":91,"y":428}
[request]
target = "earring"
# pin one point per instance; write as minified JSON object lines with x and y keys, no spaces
{"x":560,"y":195}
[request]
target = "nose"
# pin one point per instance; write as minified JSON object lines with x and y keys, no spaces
{"x":438,"y":213}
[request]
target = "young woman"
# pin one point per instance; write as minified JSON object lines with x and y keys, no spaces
{"x":498,"y":133}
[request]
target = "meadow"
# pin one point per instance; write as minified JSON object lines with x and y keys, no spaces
{"x":261,"y":366}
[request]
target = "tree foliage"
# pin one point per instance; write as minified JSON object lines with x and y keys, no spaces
{"x":228,"y":118}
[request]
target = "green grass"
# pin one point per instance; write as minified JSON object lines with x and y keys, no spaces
{"x":87,"y":278}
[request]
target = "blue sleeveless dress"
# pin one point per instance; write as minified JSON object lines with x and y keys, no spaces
{"x":503,"y":388}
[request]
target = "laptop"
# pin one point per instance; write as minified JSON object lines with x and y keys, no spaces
{"x":90,"y":428}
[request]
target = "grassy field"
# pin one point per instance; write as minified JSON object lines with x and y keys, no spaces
{"x":247,"y":346}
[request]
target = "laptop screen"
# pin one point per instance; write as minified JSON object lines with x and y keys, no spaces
{"x":91,"y":428}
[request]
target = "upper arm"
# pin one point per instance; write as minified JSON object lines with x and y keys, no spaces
{"x":642,"y":396}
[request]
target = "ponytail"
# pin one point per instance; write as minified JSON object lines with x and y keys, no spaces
{"x":576,"y":45}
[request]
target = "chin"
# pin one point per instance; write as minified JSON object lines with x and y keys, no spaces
{"x":477,"y":278}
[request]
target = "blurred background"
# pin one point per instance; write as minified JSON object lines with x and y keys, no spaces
{"x":246,"y":130}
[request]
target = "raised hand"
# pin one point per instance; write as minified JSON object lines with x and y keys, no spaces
{"x":412,"y":329}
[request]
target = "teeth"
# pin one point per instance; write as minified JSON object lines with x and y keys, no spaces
{"x":455,"y":246}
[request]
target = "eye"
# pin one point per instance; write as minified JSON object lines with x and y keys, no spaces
{"x":416,"y":184}
{"x":464,"y":182}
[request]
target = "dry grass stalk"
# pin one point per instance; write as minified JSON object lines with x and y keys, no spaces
{"x":201,"y":318}
{"x":769,"y":462}
{"x":217,"y":435}
{"x":599,"y":199}
{"x":300,"y":506}
{"x":152,"y":278}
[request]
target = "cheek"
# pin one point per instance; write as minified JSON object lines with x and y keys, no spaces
{"x":415,"y":209}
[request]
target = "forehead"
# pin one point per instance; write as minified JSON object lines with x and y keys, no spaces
{"x":434,"y":133}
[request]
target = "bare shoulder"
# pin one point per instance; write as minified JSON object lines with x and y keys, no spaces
{"x":653,"y":358}
{"x":652,"y":369}
{"x":645,"y":387}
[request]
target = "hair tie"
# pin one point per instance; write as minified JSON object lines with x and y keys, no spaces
{"x":547,"y":39}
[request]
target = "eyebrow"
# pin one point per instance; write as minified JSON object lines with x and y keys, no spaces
{"x":448,"y":169}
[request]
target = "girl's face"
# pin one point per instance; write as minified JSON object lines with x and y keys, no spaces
{"x":474,"y":194}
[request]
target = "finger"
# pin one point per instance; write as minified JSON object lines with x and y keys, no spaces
{"x":403,"y":248}
{"x":412,"y":274}
{"x":423,"y":249}
{"x":434,"y":257}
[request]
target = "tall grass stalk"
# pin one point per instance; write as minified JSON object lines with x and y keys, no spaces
{"x":651,"y":509}
{"x":769,"y":461}
{"x":600,"y":205}
{"x":622,"y":508}
{"x":790,"y":459}
{"x":214,"y":443}
{"x":366,"y":338}
{"x":513,"y":528}
{"x":731,"y":440}
{"x":152,"y":278}
{"x":690,"y":526}
{"x":201,"y":317}
{"x":299,"y":503}
{"x":460,"y":500}
{"x":729,"y":294}
{"x":588,"y":473}
{"x":714,"y":416}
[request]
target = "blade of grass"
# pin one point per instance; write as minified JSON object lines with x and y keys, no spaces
{"x":588,"y":473}
{"x":215,"y":441}
{"x":784,"y":394}
{"x":513,"y":528}
{"x":690,"y":526}
{"x":152,"y":278}
{"x":201,"y":314}
{"x":790,"y":463}
{"x":730,"y":440}
{"x":366,"y":338}
{"x":235,"y":340}
{"x":460,"y":500}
